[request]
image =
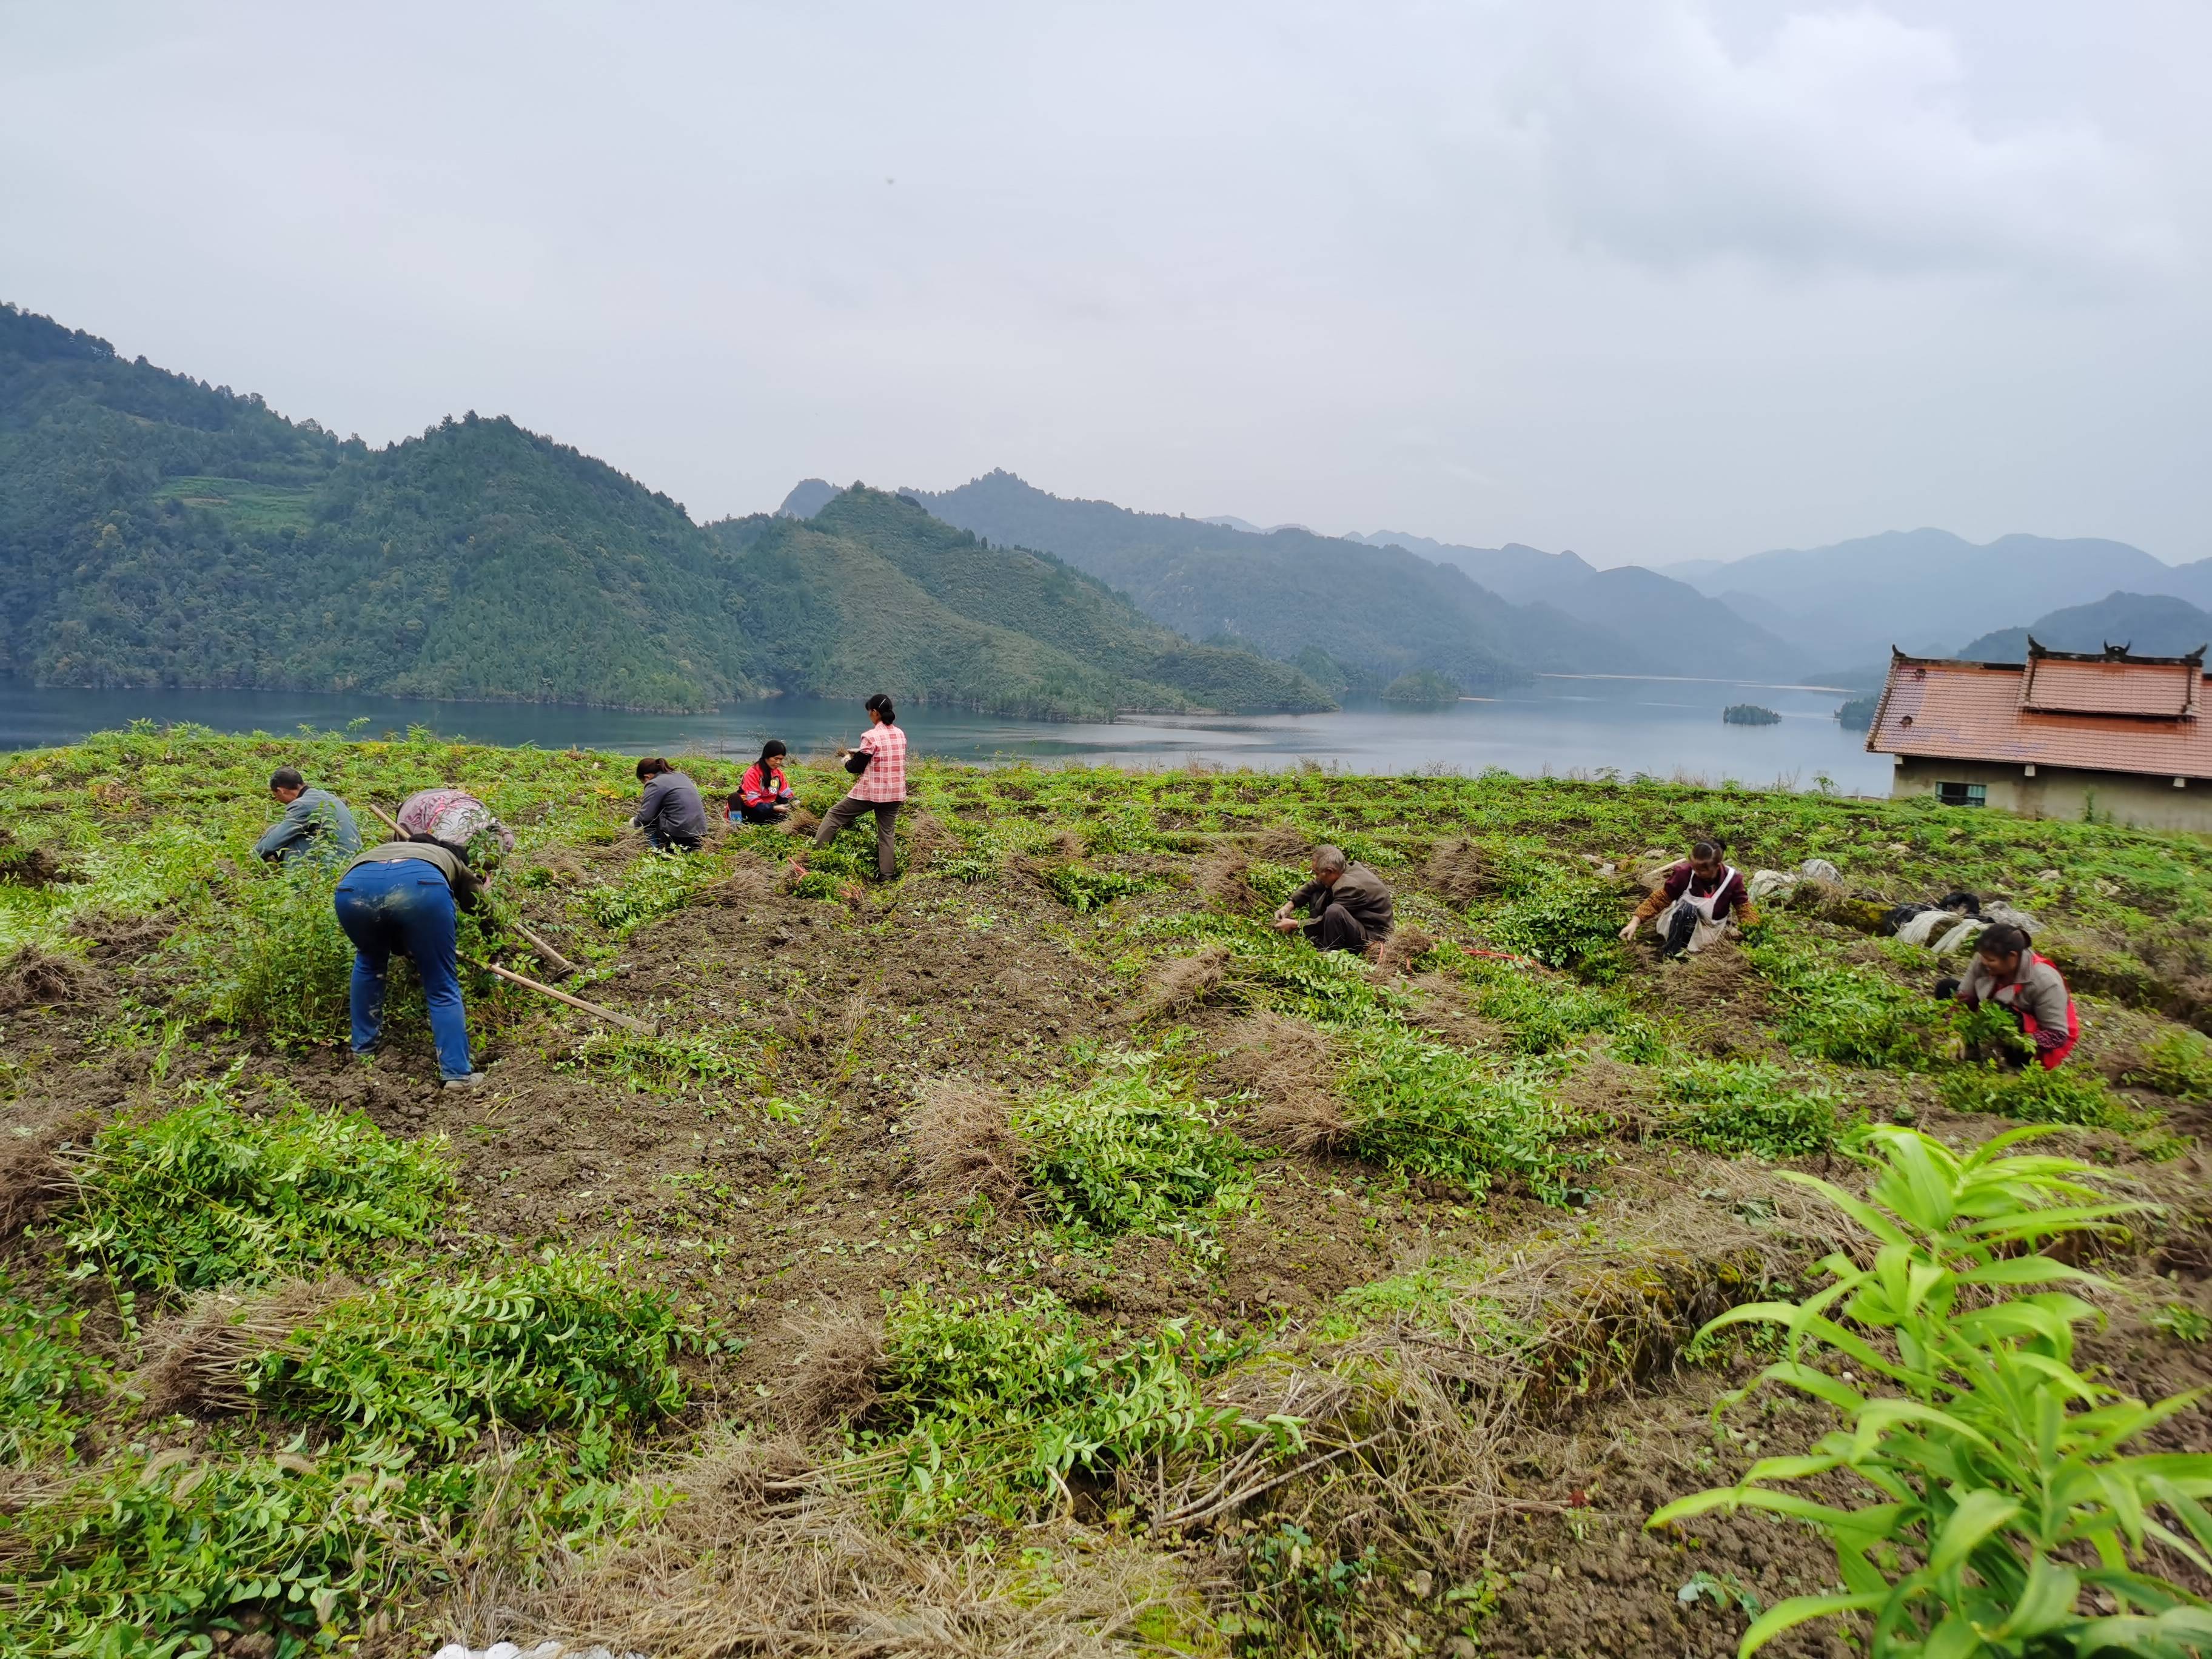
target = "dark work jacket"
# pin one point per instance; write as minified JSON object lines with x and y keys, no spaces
{"x":671,"y":805}
{"x":1359,"y":890}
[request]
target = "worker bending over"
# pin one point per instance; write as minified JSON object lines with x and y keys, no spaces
{"x":316,"y":822}
{"x":670,"y":812}
{"x":1696,"y":899}
{"x":2007,"y":970}
{"x":1347,"y":906}
{"x":402,"y":895}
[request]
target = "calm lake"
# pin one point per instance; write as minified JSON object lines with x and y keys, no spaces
{"x":1558,"y":724}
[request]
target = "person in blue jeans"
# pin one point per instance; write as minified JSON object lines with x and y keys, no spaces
{"x":403,"y":895}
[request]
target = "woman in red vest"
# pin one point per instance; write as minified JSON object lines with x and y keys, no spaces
{"x":2006,"y":971}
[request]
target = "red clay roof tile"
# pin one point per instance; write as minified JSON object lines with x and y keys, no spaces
{"x":1970,"y":711}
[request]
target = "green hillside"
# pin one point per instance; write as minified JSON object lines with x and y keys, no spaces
{"x":157,"y":531}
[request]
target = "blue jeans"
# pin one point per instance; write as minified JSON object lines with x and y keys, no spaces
{"x":404,"y":906}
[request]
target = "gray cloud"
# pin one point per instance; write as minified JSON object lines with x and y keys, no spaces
{"x":1651,"y":280}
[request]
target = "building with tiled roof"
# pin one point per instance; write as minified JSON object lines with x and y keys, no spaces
{"x":2064,"y":735}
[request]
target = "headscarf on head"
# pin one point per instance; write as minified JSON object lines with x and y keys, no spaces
{"x":455,"y":818}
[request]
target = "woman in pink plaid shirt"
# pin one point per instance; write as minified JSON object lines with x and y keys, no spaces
{"x":879,"y":769}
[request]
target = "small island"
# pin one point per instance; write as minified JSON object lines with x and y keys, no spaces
{"x":1749,"y":714}
{"x":1422,"y":689}
{"x":1857,"y":715}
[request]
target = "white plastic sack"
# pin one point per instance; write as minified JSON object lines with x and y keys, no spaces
{"x":1960,"y":937}
{"x":1764,"y":883}
{"x":1919,"y":928}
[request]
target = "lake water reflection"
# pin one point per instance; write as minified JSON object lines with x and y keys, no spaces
{"x":1557,"y":724}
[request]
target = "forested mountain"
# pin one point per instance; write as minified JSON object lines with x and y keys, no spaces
{"x":2150,"y":624}
{"x":156,"y":531}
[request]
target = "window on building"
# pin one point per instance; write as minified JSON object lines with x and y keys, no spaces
{"x":1963,"y":794}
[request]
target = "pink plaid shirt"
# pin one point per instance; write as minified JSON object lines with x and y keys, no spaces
{"x":885,"y":778}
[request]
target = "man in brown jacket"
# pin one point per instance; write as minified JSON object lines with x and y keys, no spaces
{"x":1348,"y":905}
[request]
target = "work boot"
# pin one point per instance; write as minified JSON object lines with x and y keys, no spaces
{"x":473,"y":1081}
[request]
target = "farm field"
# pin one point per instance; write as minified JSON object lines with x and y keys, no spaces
{"x":1035,"y":1254}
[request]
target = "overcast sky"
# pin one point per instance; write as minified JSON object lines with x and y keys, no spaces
{"x":1651,"y":279}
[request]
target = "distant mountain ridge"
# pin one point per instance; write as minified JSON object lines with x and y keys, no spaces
{"x":1360,"y":612}
{"x":155,"y":530}
{"x":1922,"y":589}
{"x":2148,"y":624}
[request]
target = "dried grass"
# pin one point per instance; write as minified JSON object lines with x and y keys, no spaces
{"x":197,"y":1354}
{"x":1286,"y":1066}
{"x":1280,"y":843}
{"x":1406,"y":945}
{"x":34,"y":1176}
{"x":834,"y":1380}
{"x":1454,"y":871}
{"x":34,"y":978}
{"x":764,"y":1554}
{"x":1220,"y":879}
{"x":1181,"y":983}
{"x":964,"y":1146}
{"x":113,"y":939}
{"x":750,"y":882}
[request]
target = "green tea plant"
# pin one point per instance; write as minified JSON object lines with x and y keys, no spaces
{"x":649,"y":887}
{"x":1747,"y":1106}
{"x":41,"y":1367}
{"x":205,"y":1195}
{"x":562,"y":1343}
{"x":1840,"y":1012}
{"x":1083,"y":889}
{"x":2178,"y":1061}
{"x":143,"y":1556}
{"x":2183,"y":1324}
{"x":1131,"y":1152}
{"x":2070,"y":1095}
{"x":1432,"y":1110}
{"x":1540,"y":1014}
{"x":1563,"y":921}
{"x":988,"y":1406}
{"x":1997,"y":1467}
{"x":715,"y":1057}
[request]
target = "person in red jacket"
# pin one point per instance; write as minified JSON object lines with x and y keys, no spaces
{"x":764,"y":794}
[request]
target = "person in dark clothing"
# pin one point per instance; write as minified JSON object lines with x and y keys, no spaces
{"x":1347,"y":905}
{"x":316,"y":822}
{"x":670,"y":813}
{"x":764,"y":793}
{"x":1693,"y":903}
{"x":402,"y":895}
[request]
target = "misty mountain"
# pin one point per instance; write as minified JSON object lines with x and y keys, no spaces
{"x":156,"y":531}
{"x":2150,"y":624}
{"x":808,"y":497}
{"x":1517,"y":573}
{"x":1669,"y":620}
{"x":1921,"y":589}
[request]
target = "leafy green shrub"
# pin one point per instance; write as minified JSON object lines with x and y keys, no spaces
{"x":2070,"y":1095}
{"x":1540,"y":1015}
{"x":988,"y":1406}
{"x":1127,"y":1153}
{"x":41,"y":1366}
{"x":1563,"y":922}
{"x":651,"y":886}
{"x":1275,"y":882}
{"x":2178,"y":1061}
{"x":1748,"y":1106}
{"x":561,"y":1343}
{"x":1989,"y":1032}
{"x":969,"y":867}
{"x":1083,"y":889}
{"x":1996,"y":1467}
{"x":204,"y":1195}
{"x":140,"y":1556}
{"x":1330,"y":987}
{"x":670,"y":1062}
{"x":2183,"y":1324}
{"x":1850,"y":1015}
{"x":270,"y":956}
{"x":1432,"y":1110}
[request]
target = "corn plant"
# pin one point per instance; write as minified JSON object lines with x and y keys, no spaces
{"x":1998,"y":1467}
